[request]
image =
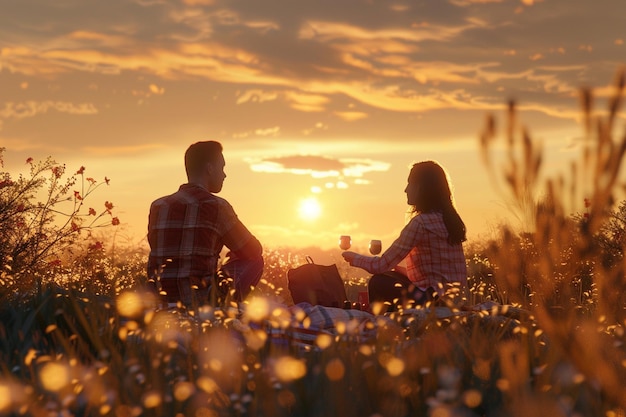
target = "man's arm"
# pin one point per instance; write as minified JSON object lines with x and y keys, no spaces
{"x":251,"y":248}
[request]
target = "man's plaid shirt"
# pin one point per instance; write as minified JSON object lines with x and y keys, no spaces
{"x":430,"y":259}
{"x":187,"y":231}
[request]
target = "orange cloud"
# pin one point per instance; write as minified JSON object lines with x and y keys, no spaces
{"x":327,"y":31}
{"x":32,"y":108}
{"x":198,"y":2}
{"x":351,"y":116}
{"x":256,"y":96}
{"x":306,"y":102}
{"x":122,"y":150}
{"x":386,"y":55}
{"x":317,"y":166}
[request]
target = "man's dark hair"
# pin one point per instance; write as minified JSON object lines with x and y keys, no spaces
{"x":199,"y":153}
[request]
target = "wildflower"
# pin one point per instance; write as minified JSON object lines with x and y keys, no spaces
{"x":29,"y":160}
{"x":91,"y":180}
{"x":6,"y":183}
{"x":57,"y":171}
{"x":96,"y":246}
{"x":77,"y":195}
{"x":56,"y":262}
{"x":92,"y":211}
{"x":108,"y":205}
{"x":107,"y":180}
{"x":115,"y":221}
{"x":75,"y":227}
{"x":80,"y":171}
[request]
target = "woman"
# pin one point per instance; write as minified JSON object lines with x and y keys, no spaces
{"x":431,"y":244}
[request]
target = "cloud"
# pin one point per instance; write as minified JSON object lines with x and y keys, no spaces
{"x":260,"y":132}
{"x":307,"y":102}
{"x":21,"y":110}
{"x":351,"y":116}
{"x":298,"y":100}
{"x":107,"y":151}
{"x":327,"y":31}
{"x":317,"y":166}
{"x":256,"y":96}
{"x":300,"y":66}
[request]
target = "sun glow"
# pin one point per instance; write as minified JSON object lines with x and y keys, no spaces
{"x":309,"y":208}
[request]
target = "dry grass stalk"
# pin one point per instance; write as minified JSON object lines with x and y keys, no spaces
{"x":547,"y":260}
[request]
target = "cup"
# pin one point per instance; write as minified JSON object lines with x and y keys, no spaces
{"x":345,"y":241}
{"x":375,"y":246}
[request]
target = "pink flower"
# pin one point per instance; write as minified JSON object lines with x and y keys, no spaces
{"x":108,"y":205}
{"x":115,"y":221}
{"x":92,"y":211}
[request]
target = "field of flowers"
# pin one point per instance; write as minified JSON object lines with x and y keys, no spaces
{"x":540,"y":332}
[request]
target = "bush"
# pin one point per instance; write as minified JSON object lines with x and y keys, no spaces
{"x":42,"y":216}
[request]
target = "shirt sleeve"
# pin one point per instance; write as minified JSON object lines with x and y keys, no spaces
{"x":234,"y":234}
{"x":398,"y":250}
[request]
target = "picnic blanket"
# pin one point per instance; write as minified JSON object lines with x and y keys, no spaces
{"x":308,"y":322}
{"x":311,"y":327}
{"x":301,"y":325}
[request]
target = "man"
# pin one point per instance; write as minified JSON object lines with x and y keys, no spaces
{"x":188,"y":229}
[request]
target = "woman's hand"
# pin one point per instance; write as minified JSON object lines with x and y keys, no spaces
{"x":401,"y":269}
{"x":348,"y":256}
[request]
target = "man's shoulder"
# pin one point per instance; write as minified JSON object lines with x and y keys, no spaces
{"x":187,"y":193}
{"x":167,"y":199}
{"x":221,"y":203}
{"x":193,"y":196}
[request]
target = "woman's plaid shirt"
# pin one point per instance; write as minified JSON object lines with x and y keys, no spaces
{"x":431,"y":261}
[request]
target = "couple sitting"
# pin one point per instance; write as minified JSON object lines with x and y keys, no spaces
{"x":187,"y":231}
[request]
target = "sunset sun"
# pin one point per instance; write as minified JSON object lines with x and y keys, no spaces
{"x":309,"y":208}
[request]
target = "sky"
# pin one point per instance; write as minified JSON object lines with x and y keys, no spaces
{"x":321,"y":106}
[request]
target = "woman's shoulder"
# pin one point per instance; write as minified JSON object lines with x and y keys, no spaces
{"x":428,"y":217}
{"x":432,"y":220}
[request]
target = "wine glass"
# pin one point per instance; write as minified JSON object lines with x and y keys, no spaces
{"x":345,"y":241}
{"x":375,"y":246}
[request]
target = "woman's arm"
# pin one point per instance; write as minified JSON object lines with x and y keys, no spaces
{"x":398,"y":250}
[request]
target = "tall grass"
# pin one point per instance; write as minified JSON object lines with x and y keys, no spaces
{"x":541,"y":331}
{"x":558,"y":270}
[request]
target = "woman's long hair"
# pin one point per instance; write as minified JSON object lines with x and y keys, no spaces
{"x":433,"y":194}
